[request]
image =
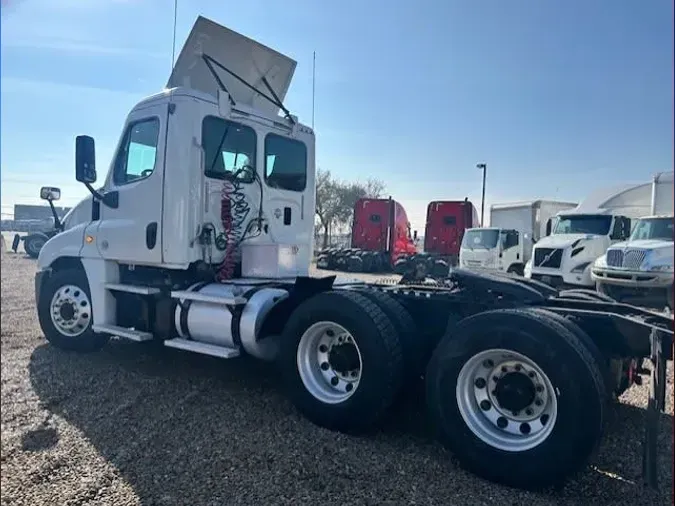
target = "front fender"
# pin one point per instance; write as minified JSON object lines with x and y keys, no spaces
{"x":66,"y":244}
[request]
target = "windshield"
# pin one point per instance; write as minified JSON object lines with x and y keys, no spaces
{"x":596,"y":224}
{"x":485,"y":238}
{"x":653,"y":228}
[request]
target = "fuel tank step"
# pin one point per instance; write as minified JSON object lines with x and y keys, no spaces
{"x":203,"y":348}
{"x":132,"y":334}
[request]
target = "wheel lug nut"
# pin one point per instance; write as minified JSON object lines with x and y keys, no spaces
{"x":325,"y":366}
{"x":495,"y":378}
{"x":502,"y":422}
{"x":515,"y":413}
{"x":330,"y":333}
{"x":540,"y":388}
{"x":504,"y":368}
{"x":485,"y":405}
{"x":538,"y":402}
{"x":480,"y":383}
{"x":518,"y":367}
{"x":334,"y":381}
{"x":488,"y":364}
{"x":531,"y":374}
{"x":528,"y":412}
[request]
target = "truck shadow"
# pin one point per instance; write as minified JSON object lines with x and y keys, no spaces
{"x":175,"y":424}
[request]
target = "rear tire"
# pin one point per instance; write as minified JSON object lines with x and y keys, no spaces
{"x":492,"y":441}
{"x":65,"y":312}
{"x":415,"y":348}
{"x":33,"y":244}
{"x":305,"y":348}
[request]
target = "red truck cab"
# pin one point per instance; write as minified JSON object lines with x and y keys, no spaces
{"x":382,"y":225}
{"x":446,"y":222}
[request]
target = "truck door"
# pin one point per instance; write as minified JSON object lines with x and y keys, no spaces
{"x":132,"y":232}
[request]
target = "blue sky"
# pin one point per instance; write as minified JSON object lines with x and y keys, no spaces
{"x":558,"y":98}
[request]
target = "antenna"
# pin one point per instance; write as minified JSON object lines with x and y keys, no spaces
{"x":313,"y":85}
{"x":173,"y":44}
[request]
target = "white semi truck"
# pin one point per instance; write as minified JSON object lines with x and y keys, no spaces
{"x":507,"y":243}
{"x":577,"y":237}
{"x":200,"y":239}
{"x":643,"y":265}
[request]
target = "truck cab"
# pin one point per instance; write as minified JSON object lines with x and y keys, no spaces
{"x":566,"y":255}
{"x":642,"y":265}
{"x":493,"y":248}
{"x":446,"y":224}
{"x":381,"y":225}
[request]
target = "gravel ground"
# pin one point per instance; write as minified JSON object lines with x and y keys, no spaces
{"x":139,"y":425}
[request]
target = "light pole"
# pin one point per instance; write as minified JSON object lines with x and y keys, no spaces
{"x":482,"y":167}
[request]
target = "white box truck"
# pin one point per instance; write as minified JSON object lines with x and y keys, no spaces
{"x":577,"y":237}
{"x":507,"y":243}
{"x":643,"y":265}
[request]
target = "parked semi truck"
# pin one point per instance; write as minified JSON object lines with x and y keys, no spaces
{"x":643,"y":265}
{"x":381,"y":237}
{"x":201,"y":238}
{"x":577,"y":237}
{"x":506,"y":245}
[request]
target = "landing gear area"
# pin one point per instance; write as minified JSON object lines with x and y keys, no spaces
{"x":508,"y":364}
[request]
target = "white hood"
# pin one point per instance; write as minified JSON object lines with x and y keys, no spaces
{"x":651,"y":244}
{"x":561,"y":240}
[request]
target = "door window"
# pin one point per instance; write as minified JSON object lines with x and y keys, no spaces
{"x":138,"y":152}
{"x":228,"y":148}
{"x":285,"y":163}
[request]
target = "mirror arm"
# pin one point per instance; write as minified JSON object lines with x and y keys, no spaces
{"x":109,"y":199}
{"x":57,"y":222}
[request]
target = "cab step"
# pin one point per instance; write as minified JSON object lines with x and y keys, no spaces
{"x":203,"y":348}
{"x":132,"y":334}
{"x":140,"y":290}
{"x":212,"y":299}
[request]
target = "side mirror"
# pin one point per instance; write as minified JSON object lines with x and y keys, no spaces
{"x":85,"y":159}
{"x":549,"y":224}
{"x":414,"y":235}
{"x":50,"y":193}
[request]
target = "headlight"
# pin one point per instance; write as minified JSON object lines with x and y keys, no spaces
{"x":601,"y":262}
{"x":581,"y":267}
{"x":661,"y":268}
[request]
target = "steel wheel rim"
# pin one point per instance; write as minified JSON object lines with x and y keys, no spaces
{"x":480,"y":399}
{"x":317,"y":366}
{"x":70,"y":310}
{"x":36,"y":245}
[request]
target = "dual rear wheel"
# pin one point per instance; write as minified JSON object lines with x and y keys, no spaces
{"x":517,"y":395}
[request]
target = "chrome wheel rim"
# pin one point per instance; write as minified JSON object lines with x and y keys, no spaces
{"x":329,"y":362}
{"x":70,"y":310}
{"x":506,"y":400}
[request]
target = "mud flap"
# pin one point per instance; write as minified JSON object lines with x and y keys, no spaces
{"x":657,"y":403}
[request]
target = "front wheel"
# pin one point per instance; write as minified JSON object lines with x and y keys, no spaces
{"x":517,"y":397}
{"x":65,"y":312}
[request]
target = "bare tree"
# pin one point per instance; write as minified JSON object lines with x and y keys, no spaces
{"x":335,"y":200}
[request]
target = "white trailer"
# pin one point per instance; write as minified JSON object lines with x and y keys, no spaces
{"x":201,"y":238}
{"x":643,"y":265}
{"x":507,"y":243}
{"x":577,"y":237}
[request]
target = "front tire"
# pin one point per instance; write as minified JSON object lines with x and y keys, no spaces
{"x":516,"y":397}
{"x":33,"y":244}
{"x":65,"y":312}
{"x":341,"y":361}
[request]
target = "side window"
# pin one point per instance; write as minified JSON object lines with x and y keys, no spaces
{"x":228,"y":148}
{"x":138,"y":152}
{"x":285,"y":163}
{"x":450,"y":220}
{"x":509,"y":239}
